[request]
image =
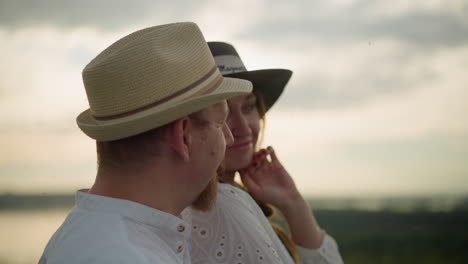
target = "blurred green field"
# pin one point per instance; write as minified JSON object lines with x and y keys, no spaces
{"x":392,"y":237}
{"x":386,"y":236}
{"x":388,"y":231}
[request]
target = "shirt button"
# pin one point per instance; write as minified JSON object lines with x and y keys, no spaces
{"x":180,"y":248}
{"x":181,"y":228}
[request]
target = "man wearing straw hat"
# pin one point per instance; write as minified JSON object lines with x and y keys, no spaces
{"x":157,"y":113}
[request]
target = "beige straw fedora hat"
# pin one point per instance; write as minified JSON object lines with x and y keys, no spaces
{"x":150,"y":78}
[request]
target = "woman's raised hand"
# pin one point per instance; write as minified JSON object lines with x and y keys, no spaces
{"x":268,"y":181}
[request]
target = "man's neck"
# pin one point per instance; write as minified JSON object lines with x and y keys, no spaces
{"x":156,"y":188}
{"x":228,"y":177}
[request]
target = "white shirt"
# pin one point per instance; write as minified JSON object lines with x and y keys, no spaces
{"x":101,"y":229}
{"x":236,"y":231}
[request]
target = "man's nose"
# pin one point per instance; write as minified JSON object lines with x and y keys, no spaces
{"x":228,"y":135}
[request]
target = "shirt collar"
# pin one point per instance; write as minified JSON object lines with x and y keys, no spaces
{"x":132,"y":210}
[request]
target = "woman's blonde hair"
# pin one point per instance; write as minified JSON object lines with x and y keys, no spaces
{"x":268,"y":210}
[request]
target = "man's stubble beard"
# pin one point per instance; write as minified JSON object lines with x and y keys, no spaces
{"x":207,"y":198}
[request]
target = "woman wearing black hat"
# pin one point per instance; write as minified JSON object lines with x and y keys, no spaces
{"x":237,"y":229}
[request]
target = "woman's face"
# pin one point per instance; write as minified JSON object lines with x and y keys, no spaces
{"x":244,"y":123}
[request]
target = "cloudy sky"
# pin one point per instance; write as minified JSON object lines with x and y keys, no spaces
{"x":376,"y":106}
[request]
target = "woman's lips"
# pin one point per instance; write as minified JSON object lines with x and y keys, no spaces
{"x":243,"y":146}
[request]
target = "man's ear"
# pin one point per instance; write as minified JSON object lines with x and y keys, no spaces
{"x":181,"y":138}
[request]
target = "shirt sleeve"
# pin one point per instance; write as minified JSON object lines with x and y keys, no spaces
{"x":328,"y":253}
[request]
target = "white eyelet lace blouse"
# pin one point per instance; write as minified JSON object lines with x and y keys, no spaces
{"x":237,"y":232}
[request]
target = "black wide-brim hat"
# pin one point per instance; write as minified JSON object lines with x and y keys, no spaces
{"x":269,"y":83}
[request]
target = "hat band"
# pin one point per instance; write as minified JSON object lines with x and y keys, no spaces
{"x":229,"y":64}
{"x":204,"y":85}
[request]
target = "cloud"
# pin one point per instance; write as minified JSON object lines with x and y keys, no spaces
{"x":41,"y":74}
{"x":347,"y":76}
{"x":429,"y":23}
{"x":437,"y":25}
{"x":369,"y":76}
{"x":105,"y":15}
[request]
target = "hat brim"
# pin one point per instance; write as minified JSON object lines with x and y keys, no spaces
{"x":269,"y":83}
{"x":115,"y":129}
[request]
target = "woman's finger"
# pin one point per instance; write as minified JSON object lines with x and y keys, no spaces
{"x":249,"y":182}
{"x":262,"y":158}
{"x":273,"y":156}
{"x":253,"y":169}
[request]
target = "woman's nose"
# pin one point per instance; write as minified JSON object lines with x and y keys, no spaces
{"x":239,"y":125}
